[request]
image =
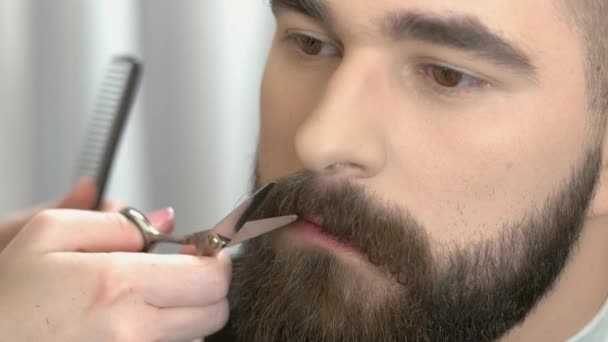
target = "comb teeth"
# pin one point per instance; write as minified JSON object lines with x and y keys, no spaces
{"x":109,"y":114}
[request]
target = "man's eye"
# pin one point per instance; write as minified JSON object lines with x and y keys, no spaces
{"x":450,"y":79}
{"x":312,"y":46}
{"x":309,"y":45}
{"x":446,"y":77}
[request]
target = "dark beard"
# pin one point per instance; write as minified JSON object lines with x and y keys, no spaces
{"x":474,"y":293}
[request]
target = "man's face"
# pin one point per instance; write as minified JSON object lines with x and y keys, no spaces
{"x":463,"y":122}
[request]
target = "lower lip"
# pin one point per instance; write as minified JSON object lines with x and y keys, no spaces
{"x":310,"y":232}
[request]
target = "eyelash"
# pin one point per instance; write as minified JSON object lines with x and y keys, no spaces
{"x":467,"y":82}
{"x":295,"y":38}
{"x":426,"y":70}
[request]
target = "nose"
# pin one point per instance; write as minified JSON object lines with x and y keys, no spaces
{"x":343,"y":135}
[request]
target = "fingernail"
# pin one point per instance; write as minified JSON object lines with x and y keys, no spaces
{"x":161,"y":216}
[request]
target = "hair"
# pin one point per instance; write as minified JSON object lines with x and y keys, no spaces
{"x":590,"y":18}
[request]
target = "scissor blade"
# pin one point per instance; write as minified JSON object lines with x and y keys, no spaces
{"x":231,"y":224}
{"x":256,"y":200}
{"x":254,"y":229}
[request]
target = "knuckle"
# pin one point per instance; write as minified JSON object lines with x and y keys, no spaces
{"x":45,"y":218}
{"x":117,"y":220}
{"x":45,"y":222}
{"x":125,"y":227}
{"x":125,"y":330}
{"x":226,"y":262}
{"x":223,"y":286}
{"x":115,"y":281}
{"x":219,"y":317}
{"x":219,"y":282}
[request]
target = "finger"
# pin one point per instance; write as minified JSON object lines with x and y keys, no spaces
{"x":113,"y":205}
{"x":188,"y":281}
{"x":79,"y":197}
{"x":171,"y":281}
{"x":163,"y":220}
{"x":17,"y":220}
{"x":83,"y":231}
{"x":82,"y":196}
{"x":187,"y":324}
{"x":188,"y":249}
{"x":11,"y":226}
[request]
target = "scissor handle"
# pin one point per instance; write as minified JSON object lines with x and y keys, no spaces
{"x":149,"y":233}
{"x":206,"y":244}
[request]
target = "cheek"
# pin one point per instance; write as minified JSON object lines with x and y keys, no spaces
{"x":290,"y":93}
{"x":464,"y":173}
{"x":282,"y":111}
{"x":469,"y":173}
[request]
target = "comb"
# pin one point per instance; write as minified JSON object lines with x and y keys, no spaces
{"x":113,"y":104}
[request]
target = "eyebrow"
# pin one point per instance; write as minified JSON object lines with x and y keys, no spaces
{"x":465,"y":33}
{"x":315,"y":9}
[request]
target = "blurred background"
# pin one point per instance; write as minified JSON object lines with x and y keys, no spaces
{"x":190,"y":141}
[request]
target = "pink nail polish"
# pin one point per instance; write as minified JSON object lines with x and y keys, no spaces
{"x":161,"y":216}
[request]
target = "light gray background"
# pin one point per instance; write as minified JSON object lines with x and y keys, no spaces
{"x":190,"y":142}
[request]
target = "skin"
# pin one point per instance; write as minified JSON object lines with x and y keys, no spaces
{"x":75,"y":275}
{"x":465,"y":161}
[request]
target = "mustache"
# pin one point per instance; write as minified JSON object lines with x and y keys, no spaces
{"x":387,"y":235}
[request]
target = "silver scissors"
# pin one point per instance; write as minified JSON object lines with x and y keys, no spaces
{"x":230,"y":231}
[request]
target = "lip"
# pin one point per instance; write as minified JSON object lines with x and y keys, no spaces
{"x":309,"y":230}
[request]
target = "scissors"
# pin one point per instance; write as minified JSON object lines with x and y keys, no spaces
{"x":232,"y":230}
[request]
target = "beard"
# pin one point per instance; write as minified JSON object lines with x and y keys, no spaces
{"x":478,"y":292}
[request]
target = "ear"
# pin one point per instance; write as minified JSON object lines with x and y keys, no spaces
{"x":599,"y":204}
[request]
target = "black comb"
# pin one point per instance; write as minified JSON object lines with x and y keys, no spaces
{"x":114,"y":102}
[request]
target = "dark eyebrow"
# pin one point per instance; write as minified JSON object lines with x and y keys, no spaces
{"x":463,"y":33}
{"x":315,"y":9}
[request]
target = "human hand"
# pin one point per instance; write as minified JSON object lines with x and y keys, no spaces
{"x":82,"y":196}
{"x":73,"y":276}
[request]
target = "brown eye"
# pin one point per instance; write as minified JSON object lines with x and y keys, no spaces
{"x":309,"y":45}
{"x":447,"y":77}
